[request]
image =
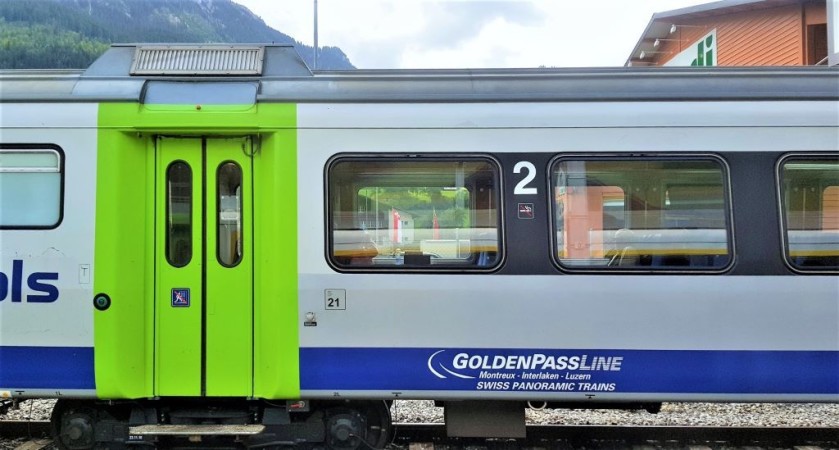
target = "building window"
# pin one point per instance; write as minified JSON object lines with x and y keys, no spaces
{"x":31,"y":186}
{"x":816,"y":44}
{"x":810,"y":204}
{"x":641,"y":214}
{"x":422,"y":213}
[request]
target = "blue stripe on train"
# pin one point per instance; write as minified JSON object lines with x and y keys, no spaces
{"x":46,"y":367}
{"x":627,"y":371}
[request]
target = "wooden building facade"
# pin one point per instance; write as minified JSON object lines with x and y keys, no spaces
{"x":737,"y":33}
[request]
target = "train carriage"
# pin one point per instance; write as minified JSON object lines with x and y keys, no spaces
{"x":217,"y":238}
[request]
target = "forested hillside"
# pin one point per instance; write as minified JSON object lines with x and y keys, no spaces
{"x":72,"y":33}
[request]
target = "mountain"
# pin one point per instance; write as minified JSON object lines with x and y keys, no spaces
{"x":61,"y":34}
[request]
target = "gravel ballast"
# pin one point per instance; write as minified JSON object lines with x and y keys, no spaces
{"x":708,"y":414}
{"x":697,"y":414}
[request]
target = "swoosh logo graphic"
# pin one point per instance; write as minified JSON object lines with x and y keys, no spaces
{"x":445,"y":369}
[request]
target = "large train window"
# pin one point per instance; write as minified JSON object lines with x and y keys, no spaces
{"x":418,"y":212}
{"x":810,"y":204}
{"x":641,"y":214}
{"x":31,"y":186}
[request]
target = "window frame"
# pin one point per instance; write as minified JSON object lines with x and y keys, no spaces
{"x":643,"y":157}
{"x":241,"y":203}
{"x":29,"y":147}
{"x":782,"y":211}
{"x":498,"y":195}
{"x":167,"y":218}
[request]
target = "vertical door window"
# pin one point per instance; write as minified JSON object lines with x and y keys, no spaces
{"x":179,"y":214}
{"x":810,"y":196}
{"x":229,"y":179}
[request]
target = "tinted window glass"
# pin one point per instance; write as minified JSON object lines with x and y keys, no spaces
{"x":30,"y":188}
{"x":414,"y":213}
{"x":640,"y":214}
{"x":229,"y":179}
{"x":178,"y":214}
{"x":810,"y":197}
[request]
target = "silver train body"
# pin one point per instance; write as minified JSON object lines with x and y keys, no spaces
{"x":538,"y":324}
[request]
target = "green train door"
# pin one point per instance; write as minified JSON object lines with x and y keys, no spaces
{"x":204,"y":267}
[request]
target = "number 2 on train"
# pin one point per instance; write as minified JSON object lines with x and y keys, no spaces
{"x":521,"y":187}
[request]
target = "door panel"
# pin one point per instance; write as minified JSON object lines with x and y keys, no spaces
{"x":204,"y":268}
{"x":229,"y":269}
{"x":178,"y":270}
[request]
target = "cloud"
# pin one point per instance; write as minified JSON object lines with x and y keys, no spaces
{"x":497,"y":42}
{"x":420,"y":31}
{"x":450,"y":23}
{"x":470,"y":33}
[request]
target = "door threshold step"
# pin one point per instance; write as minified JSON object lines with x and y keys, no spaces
{"x":196,"y":430}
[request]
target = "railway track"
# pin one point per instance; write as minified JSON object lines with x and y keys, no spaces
{"x":433,"y":436}
{"x":595,"y":436}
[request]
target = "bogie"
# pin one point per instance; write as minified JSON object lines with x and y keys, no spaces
{"x":345,"y":425}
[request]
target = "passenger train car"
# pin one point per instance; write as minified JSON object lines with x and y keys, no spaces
{"x":217,"y":238}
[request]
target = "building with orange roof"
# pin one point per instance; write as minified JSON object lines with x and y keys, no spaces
{"x":741,"y":33}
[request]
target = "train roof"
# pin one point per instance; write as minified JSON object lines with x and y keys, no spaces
{"x":244,"y":74}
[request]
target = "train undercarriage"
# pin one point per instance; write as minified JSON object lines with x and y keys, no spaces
{"x":263,"y":424}
{"x":233,"y":423}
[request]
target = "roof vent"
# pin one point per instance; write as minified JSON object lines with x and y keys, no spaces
{"x":198,"y":60}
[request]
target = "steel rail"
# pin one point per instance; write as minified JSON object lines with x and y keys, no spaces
{"x":576,"y":435}
{"x":544,"y":435}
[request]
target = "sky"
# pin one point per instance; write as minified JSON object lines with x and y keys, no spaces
{"x":414,"y":34}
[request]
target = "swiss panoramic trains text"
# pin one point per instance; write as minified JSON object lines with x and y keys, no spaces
{"x":215,"y":235}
